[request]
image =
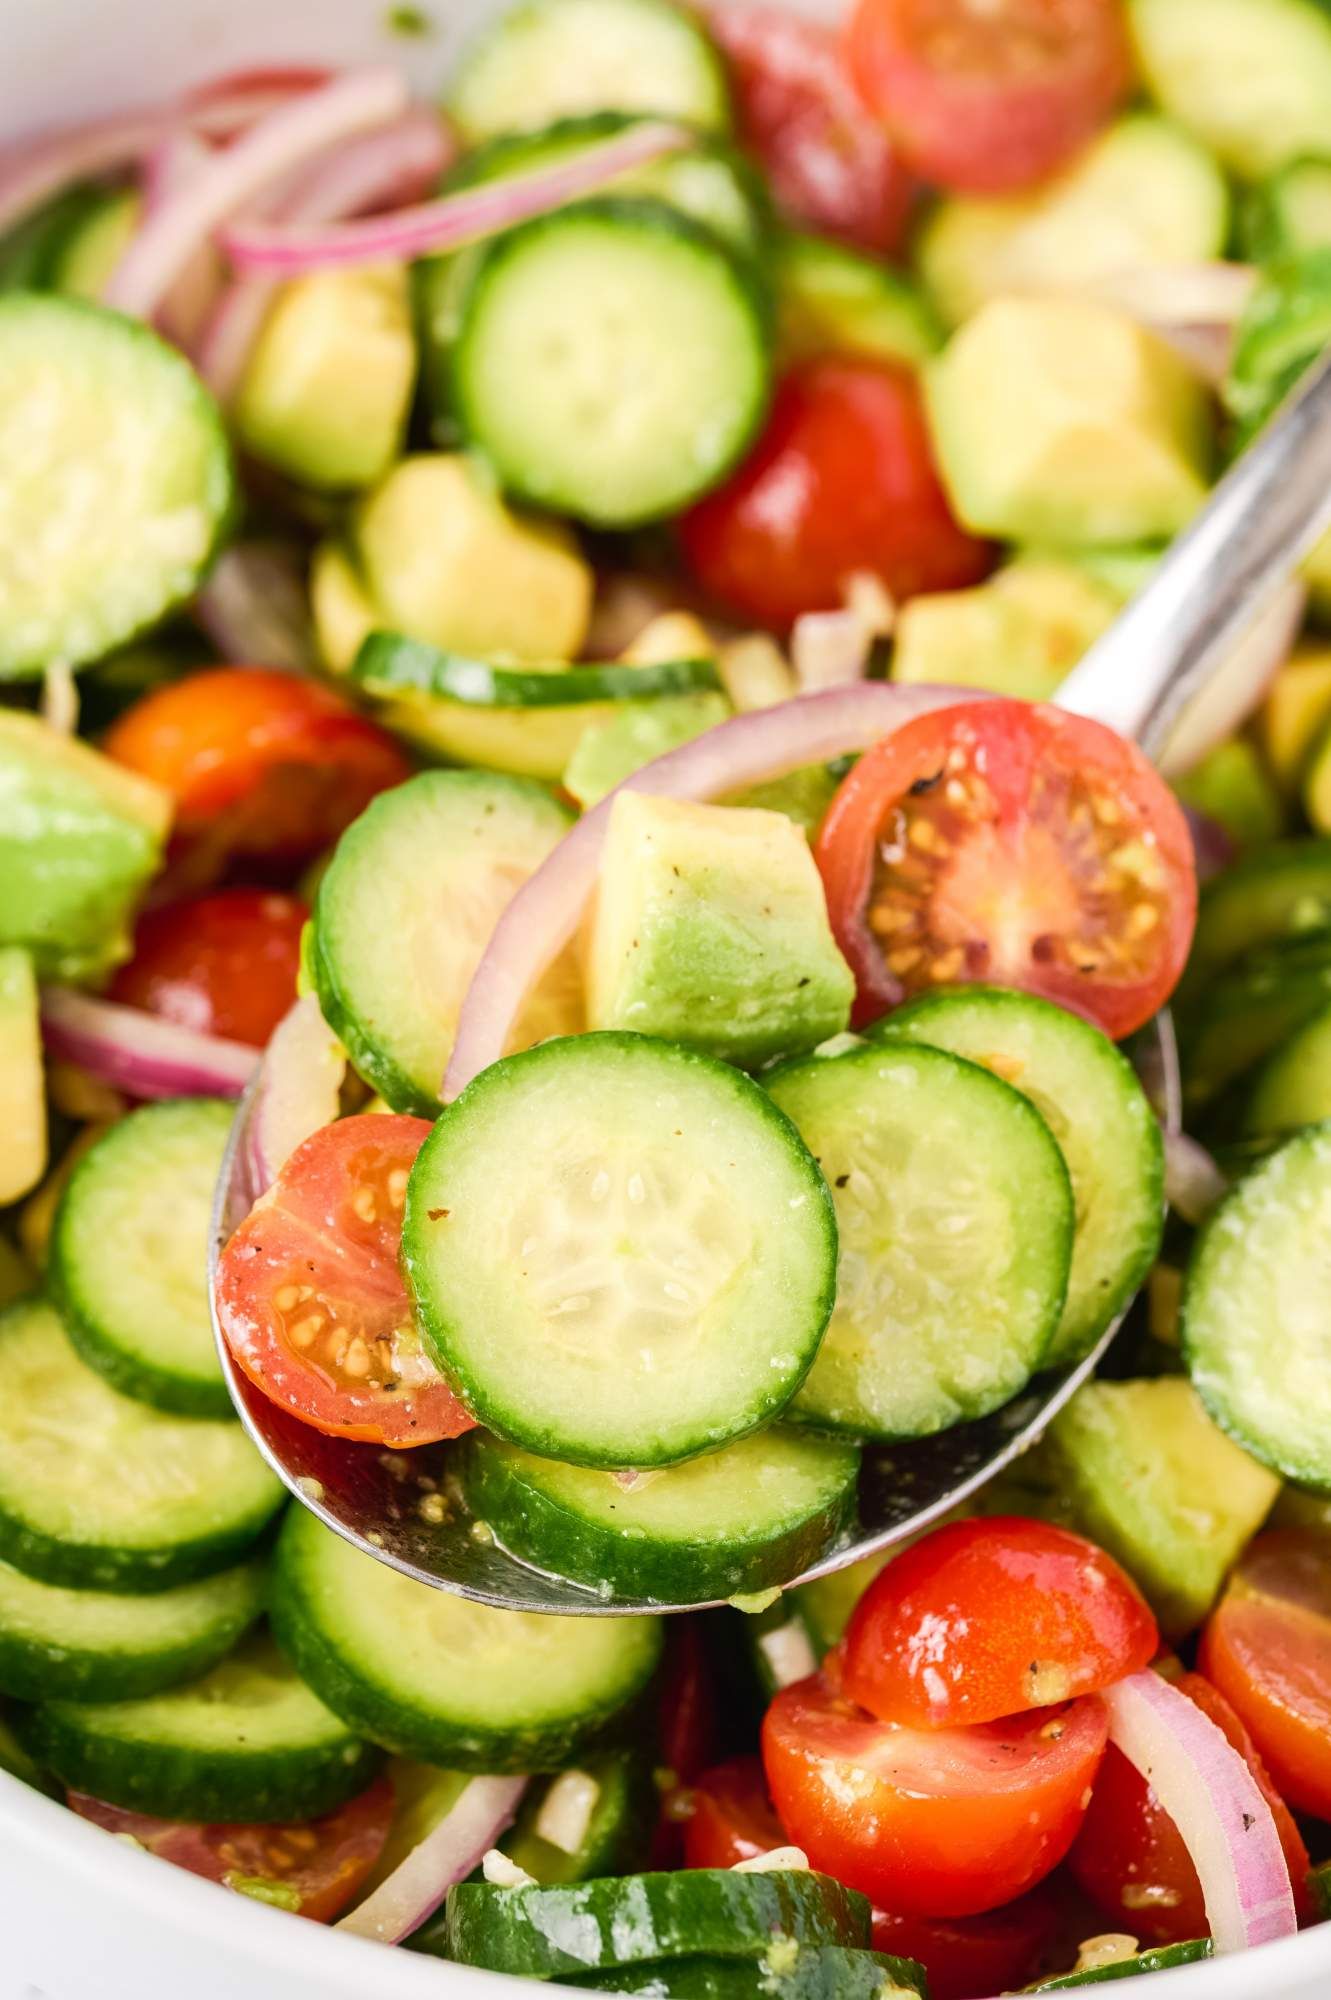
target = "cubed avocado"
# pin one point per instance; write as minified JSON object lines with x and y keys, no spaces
{"x":342,"y":609}
{"x":1233,"y":787}
{"x":1148,"y":1476}
{"x":1018,"y":634}
{"x":80,"y":837}
{"x":710,"y":929}
{"x":1294,"y":714}
{"x":636,"y":734}
{"x":327,"y":387}
{"x":1061,"y":421}
{"x":22,"y":1084}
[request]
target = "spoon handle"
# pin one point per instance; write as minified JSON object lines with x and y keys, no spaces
{"x":1263,"y":517}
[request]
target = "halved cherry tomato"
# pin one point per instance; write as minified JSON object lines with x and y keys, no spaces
{"x":988,"y":1618}
{"x":1014,"y":843}
{"x":967,"y":1956}
{"x":731,"y":1817}
{"x":841,"y":481}
{"x":1130,"y":1858}
{"x":828,"y":160}
{"x":311,"y":1300}
{"x":986,"y":98}
{"x":313,"y":1868}
{"x":929,"y":1822}
{"x":260,"y":763}
{"x":1267,"y":1647}
{"x":224,"y":964}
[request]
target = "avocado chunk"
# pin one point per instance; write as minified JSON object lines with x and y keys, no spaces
{"x":1019,"y":634}
{"x":22,"y":1080}
{"x":640,"y":732}
{"x":327,"y":387}
{"x":1061,"y":421}
{"x":1233,"y":787}
{"x":1149,"y":1477}
{"x":80,"y":837}
{"x":1295,"y":713}
{"x":342,"y":608}
{"x":710,"y":929}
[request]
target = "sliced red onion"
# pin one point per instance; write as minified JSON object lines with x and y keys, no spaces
{"x":1193,"y":1181}
{"x":255,"y":608}
{"x":298,"y":1091}
{"x":288,"y":249}
{"x":171,"y":166}
{"x":1208,"y":1791}
{"x":1238,"y":687}
{"x":748,"y":750}
{"x":274,"y":146}
{"x":60,"y":697}
{"x":140,"y":1053}
{"x":1212,"y":846}
{"x":1194,"y":307}
{"x":833,"y":648}
{"x":447,"y":1855}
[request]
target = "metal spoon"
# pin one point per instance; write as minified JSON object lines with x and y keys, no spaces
{"x":1263,"y":516}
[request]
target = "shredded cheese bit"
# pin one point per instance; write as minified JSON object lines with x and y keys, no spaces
{"x":501,"y":1873}
{"x":774,"y":1862}
{"x":789,"y":1653}
{"x":566,"y":1810}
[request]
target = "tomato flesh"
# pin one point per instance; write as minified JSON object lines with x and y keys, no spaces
{"x":1131,"y":1859}
{"x":730,"y":1816}
{"x":841,"y":482}
{"x":829,"y":163}
{"x":989,"y":1618}
{"x":311,"y":1300}
{"x":938,"y":1822}
{"x":967,"y":1956}
{"x":1267,"y":1647}
{"x":986,"y":96}
{"x":224,"y":964}
{"x":1014,"y":843}
{"x":313,"y":1868}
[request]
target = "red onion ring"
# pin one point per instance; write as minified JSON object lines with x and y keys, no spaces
{"x":1193,"y":1181}
{"x":447,"y":1855}
{"x":140,"y":1053}
{"x":255,"y":608}
{"x":297,"y":1094}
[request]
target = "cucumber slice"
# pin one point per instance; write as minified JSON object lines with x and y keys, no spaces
{"x":955,"y":1215}
{"x":86,"y":250}
{"x":1278,"y":892}
{"x":1162,"y":1960}
{"x":811,"y":1972}
{"x":832,"y":299}
{"x":548,"y":59}
{"x":1252,"y":78}
{"x":1292,"y":1088}
{"x":101,"y":1493}
{"x":611,"y":1201}
{"x":734,"y":1521}
{"x":547,"y":1933}
{"x":438,"y":1677}
{"x":16,"y":1763}
{"x":619,"y":1826}
{"x":1253,"y":1324}
{"x":1249,"y":1010}
{"x":1290,"y":212}
{"x":58,"y":1644}
{"x":405,"y":910}
{"x":128,"y":1257}
{"x":1088,"y":1094}
{"x":520,"y":742}
{"x":246,"y":1742}
{"x":387,"y":665}
{"x":826,"y":1603}
{"x":115,"y":481}
{"x":613,"y":361}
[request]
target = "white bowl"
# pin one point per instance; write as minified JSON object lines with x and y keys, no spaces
{"x":84,"y":1916}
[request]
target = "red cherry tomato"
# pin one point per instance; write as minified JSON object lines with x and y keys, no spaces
{"x":1013,"y":843}
{"x":223,"y":964}
{"x":829,"y":162}
{"x":314,"y":1868}
{"x":930,"y":1822}
{"x":1267,"y":1647}
{"x":1130,"y":1858}
{"x":967,"y":1956}
{"x":731,"y":1817}
{"x":260,"y":763}
{"x":983,"y":1619}
{"x":989,"y":98}
{"x":842,"y":480}
{"x":310,"y":1298}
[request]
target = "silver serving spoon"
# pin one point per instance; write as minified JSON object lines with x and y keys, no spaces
{"x":1263,"y":516}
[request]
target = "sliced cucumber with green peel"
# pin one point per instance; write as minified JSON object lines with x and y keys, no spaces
{"x":613,"y":360}
{"x":732,"y":1522}
{"x":618,"y":1829}
{"x":1249,"y":1010}
{"x":1290,"y":212}
{"x":1162,"y":1960}
{"x":955,"y":1216}
{"x":86,"y":251}
{"x":128,"y":1258}
{"x":1278,"y":892}
{"x":608,"y":1200}
{"x":1254,"y":1328}
{"x":1251,"y":78}
{"x":802,"y":1972}
{"x":404,"y":911}
{"x":16,"y":1763}
{"x":548,"y":59}
{"x":246,"y":1742}
{"x":831,"y":299}
{"x":115,"y":481}
{"x":547,"y":1933}
{"x":98,"y":1645}
{"x":1087,"y":1092}
{"x":1292,"y":1087}
{"x":388,"y":664}
{"x":102,"y":1493}
{"x":435,"y":1676}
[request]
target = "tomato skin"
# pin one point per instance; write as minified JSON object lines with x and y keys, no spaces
{"x":260,"y":763}
{"x":732,"y":1817}
{"x":968,"y":1956}
{"x":841,"y":481}
{"x":310,"y":1298}
{"x":1013,"y":894}
{"x":829,"y":163}
{"x":988,"y":1618}
{"x":986,"y":101}
{"x":1267,"y":1648}
{"x":224,"y":964}
{"x":1130,"y":1858}
{"x":933,"y":1823}
{"x":322,"y":1862}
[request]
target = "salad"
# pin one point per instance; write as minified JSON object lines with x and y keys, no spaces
{"x":529,"y":629}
